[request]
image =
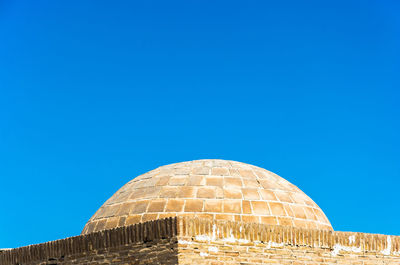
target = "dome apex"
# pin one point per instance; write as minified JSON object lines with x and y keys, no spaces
{"x":216,"y":189}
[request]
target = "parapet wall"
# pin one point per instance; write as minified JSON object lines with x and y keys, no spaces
{"x":201,"y":241}
{"x":218,"y":243}
{"x":152,"y":242}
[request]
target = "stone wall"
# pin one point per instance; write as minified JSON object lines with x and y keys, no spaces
{"x":147,"y":243}
{"x":218,"y":243}
{"x":203,"y":241}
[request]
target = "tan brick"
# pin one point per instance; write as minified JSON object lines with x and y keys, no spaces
{"x":178,"y":180}
{"x":234,"y":173}
{"x":187,"y":192}
{"x":238,"y":218}
{"x":250,"y":219}
{"x":112,"y":222}
{"x":215,"y":181}
{"x":148,"y":217}
{"x":324,"y":227}
{"x":245,"y":173}
{"x":283,"y":196}
{"x":277,"y":209}
{"x":156,"y":206}
{"x":139,"y":207}
{"x":267,"y":184}
{"x":233,"y":194}
{"x":174,"y":205}
{"x":250,"y":194}
{"x":219,"y":171}
{"x":298,"y":198}
{"x":251,"y":183}
{"x":196,"y":180}
{"x":309,"y":202}
{"x":169,"y":192}
{"x":133,"y":219}
{"x":163,"y":180}
{"x":165,"y":215}
{"x":206,"y":193}
{"x":288,"y":209}
{"x":310,"y":213}
{"x":267,"y":195}
{"x":260,"y":207}
{"x":213,"y":206}
{"x":286,"y":221}
{"x":232,"y":206}
{"x":182,"y":170}
{"x":111,"y":210}
{"x":230,"y":182}
{"x":201,"y":171}
{"x":145,"y":193}
{"x":269,"y":220}
{"x":246,"y":207}
{"x":299,"y":222}
{"x":227,"y":217}
{"x":211,"y":180}
{"x":126,"y":208}
{"x":261,"y":174}
{"x":121,"y":221}
{"x":298,"y":211}
{"x":320,"y":215}
{"x":312,"y":225}
{"x":205,"y":216}
{"x":101,"y":225}
{"x":90,"y":227}
{"x":193,"y":205}
{"x":219,"y":193}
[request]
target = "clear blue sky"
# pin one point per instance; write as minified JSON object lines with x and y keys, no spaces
{"x":94,"y":93}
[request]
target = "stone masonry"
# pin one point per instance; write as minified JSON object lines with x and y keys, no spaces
{"x":211,"y":188}
{"x":183,"y":240}
{"x":213,"y":212}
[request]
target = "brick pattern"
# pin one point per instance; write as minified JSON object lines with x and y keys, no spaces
{"x":215,"y":253}
{"x":214,"y":189}
{"x":206,"y":231}
{"x":204,"y":241}
{"x":221,"y":243}
{"x":153,"y":242}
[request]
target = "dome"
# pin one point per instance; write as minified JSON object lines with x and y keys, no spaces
{"x":217,"y":189}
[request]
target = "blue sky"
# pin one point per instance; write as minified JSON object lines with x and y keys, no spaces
{"x":94,"y":93}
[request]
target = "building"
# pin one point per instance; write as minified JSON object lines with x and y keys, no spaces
{"x":210,"y":212}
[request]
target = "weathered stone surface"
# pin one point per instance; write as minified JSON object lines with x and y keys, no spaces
{"x":204,"y":241}
{"x":215,"y":189}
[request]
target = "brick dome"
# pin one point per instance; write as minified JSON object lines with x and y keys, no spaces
{"x":219,"y":189}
